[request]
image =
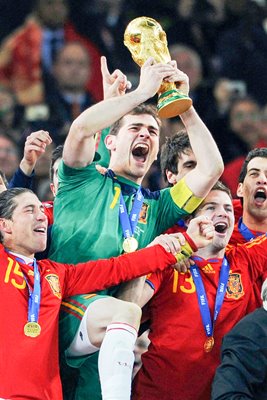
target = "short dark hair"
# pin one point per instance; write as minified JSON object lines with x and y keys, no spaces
{"x":217,"y":186}
{"x":56,"y":154}
{"x":222,"y":187}
{"x":258,"y":152}
{"x":139,"y":110}
{"x":8,"y":203}
{"x":171,"y":151}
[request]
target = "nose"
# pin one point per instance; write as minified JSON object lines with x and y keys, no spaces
{"x":221,"y":212}
{"x":41,"y":216}
{"x":144,"y":132}
{"x":262,"y":179}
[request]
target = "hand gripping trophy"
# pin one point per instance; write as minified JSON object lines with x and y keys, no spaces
{"x":145,"y":38}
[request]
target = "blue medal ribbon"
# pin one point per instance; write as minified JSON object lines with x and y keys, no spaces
{"x":129,"y":222}
{"x":245,"y":232}
{"x":35,"y":294}
{"x":202,"y":297}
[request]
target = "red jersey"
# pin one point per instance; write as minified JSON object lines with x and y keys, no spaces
{"x":49,"y":211}
{"x":238,"y":237}
{"x":29,"y":366}
{"x":176,"y":365}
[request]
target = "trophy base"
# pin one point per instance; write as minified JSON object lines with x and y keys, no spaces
{"x":172,"y":103}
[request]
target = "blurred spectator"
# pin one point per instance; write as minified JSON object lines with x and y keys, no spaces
{"x":189,"y":61}
{"x":245,"y":127}
{"x":242,"y":50}
{"x":224,"y":94}
{"x":9,"y":155}
{"x":196,"y":24}
{"x":244,"y":135}
{"x":66,"y":92}
{"x":104,"y":22}
{"x":30,"y":50}
{"x":11,"y":116}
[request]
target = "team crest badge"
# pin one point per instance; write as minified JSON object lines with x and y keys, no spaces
{"x":143,"y":213}
{"x":53,"y":281}
{"x":234,"y":288}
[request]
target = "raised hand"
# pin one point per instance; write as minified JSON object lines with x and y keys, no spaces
{"x":180,"y":79}
{"x":152,"y":75}
{"x":201,"y":230}
{"x":114,"y":84}
{"x":34,"y":147}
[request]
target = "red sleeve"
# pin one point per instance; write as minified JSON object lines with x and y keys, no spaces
{"x":238,"y":209}
{"x":98,"y":275}
{"x":255,"y":253}
{"x":49,"y":211}
{"x":154,"y":280}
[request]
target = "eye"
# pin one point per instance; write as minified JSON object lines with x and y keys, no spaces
{"x":212,"y":208}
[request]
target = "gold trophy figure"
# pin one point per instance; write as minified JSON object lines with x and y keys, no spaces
{"x":145,"y":38}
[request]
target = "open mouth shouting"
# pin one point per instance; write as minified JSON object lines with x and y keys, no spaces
{"x":260,"y":196}
{"x":221,"y":227}
{"x":140,"y":152}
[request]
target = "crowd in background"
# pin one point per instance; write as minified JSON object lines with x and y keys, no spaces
{"x":49,"y":70}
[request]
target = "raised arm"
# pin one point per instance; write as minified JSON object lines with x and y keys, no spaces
{"x":34,"y":147}
{"x":79,"y":148}
{"x":209,"y":161}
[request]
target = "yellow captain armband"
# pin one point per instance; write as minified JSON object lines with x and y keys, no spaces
{"x":184,"y":198}
{"x":186,"y":250}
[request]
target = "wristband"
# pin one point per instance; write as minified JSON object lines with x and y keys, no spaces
{"x":190,"y":241}
{"x":187,"y":249}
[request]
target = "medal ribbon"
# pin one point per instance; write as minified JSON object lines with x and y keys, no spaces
{"x":129,"y":222}
{"x":35,"y":294}
{"x":202,"y":297}
{"x":245,"y":232}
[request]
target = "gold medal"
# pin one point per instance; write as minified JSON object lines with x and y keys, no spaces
{"x":32,"y":329}
{"x":130,"y":244}
{"x":209,"y":343}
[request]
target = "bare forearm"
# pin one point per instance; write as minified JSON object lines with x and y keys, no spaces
{"x":106,"y":112}
{"x":203,"y":145}
{"x":132,"y":291}
{"x":26,"y":167}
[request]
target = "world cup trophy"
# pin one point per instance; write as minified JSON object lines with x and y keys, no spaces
{"x":145,"y":38}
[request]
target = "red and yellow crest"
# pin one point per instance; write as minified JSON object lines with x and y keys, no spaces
{"x":53,"y":281}
{"x":234,"y":288}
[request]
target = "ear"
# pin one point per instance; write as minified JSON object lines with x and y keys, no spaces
{"x":239,"y":190}
{"x":6,"y":225}
{"x":52,"y":188}
{"x":171,"y":177}
{"x":110,"y":142}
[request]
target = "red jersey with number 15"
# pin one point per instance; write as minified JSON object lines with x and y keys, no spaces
{"x":29,"y":365}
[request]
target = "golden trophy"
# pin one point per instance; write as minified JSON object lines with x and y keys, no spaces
{"x":145,"y":38}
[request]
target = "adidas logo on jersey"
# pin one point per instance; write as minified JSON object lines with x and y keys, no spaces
{"x":208,"y":269}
